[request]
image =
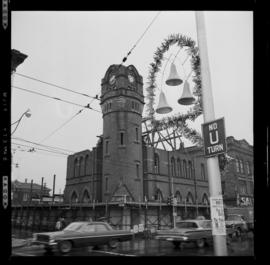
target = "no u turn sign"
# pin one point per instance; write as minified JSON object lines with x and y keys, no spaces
{"x":214,"y":137}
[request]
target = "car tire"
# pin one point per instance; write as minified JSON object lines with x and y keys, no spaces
{"x":200,"y":242}
{"x":113,"y":244}
{"x":48,"y":249}
{"x":65,"y":246}
{"x":176,"y":244}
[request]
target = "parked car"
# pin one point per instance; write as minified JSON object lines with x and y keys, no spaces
{"x":237,"y":222}
{"x":196,"y":231}
{"x":79,"y":234}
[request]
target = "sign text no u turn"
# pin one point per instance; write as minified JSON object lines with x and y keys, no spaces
{"x":214,"y":137}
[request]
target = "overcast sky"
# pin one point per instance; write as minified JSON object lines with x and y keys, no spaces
{"x":74,"y":50}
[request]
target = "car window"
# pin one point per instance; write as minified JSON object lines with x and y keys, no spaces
{"x":206,"y":224}
{"x":101,"y":228}
{"x":186,"y":225}
{"x":234,"y":218}
{"x":73,"y":227}
{"x":88,"y":228}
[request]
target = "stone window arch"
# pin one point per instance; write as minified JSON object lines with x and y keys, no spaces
{"x":179,"y":168}
{"x":74,"y":197}
{"x":156,"y":163}
{"x":86,"y":164}
{"x":205,"y":199}
{"x":76,"y":167}
{"x":86,"y":196}
{"x":202,"y":171}
{"x":173,"y":166}
{"x":159,"y":195}
{"x":185,"y":168}
{"x":237,"y":164}
{"x":82,"y":168}
{"x":189,"y":198}
{"x":178,"y":197}
{"x":190,"y":173}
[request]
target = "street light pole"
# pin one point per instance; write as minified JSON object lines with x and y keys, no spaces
{"x":214,"y":179}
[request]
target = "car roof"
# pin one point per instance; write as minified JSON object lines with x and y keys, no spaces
{"x":193,"y":220}
{"x":88,"y":222}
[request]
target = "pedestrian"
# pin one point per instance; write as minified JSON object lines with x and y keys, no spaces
{"x":60,"y":224}
{"x":63,"y":223}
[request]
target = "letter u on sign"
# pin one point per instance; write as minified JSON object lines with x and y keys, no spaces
{"x":211,"y":138}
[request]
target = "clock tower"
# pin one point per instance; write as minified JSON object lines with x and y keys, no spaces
{"x":122,"y":104}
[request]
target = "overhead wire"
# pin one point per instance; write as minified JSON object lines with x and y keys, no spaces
{"x":55,"y":98}
{"x":125,"y":58}
{"x":42,"y":145}
{"x":32,"y":149}
{"x":60,"y":127}
{"x":66,"y":89}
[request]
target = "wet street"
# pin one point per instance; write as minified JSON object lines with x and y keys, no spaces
{"x":143,"y":247}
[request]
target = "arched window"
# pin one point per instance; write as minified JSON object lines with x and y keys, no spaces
{"x":76,"y":167}
{"x":185,"y":168}
{"x":202,"y":172}
{"x":159,"y":196}
{"x":189,"y":198}
{"x":179,"y":170}
{"x":241,"y":166}
{"x":173,"y":166}
{"x":81,"y":166}
{"x":178,"y":197}
{"x":86,"y":197}
{"x":190,"y":173}
{"x":86,"y":165}
{"x":156,"y":163}
{"x":74,"y":197}
{"x":237,"y":165}
{"x":248,"y":168}
{"x":205,"y":199}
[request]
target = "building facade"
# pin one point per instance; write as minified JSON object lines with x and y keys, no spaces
{"x":24,"y":192}
{"x":122,"y":165}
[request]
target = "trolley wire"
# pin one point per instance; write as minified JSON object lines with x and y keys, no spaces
{"x":55,"y":98}
{"x":50,"y":84}
{"x":125,"y":58}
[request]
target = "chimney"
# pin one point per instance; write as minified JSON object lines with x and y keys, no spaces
{"x":25,"y":181}
{"x":182,"y":145}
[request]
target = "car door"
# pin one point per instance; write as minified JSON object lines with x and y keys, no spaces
{"x":87,"y":235}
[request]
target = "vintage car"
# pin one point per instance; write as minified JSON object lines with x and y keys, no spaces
{"x":80,"y":234}
{"x":186,"y":231}
{"x":237,"y":222}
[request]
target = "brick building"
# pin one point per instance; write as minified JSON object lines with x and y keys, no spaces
{"x":22,"y":192}
{"x":123,"y":165}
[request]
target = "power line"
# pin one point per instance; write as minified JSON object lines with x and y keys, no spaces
{"x":125,"y":58}
{"x":66,"y":89}
{"x":33,"y":149}
{"x":46,"y":146}
{"x":52,"y":133}
{"x":40,"y":153}
{"x":66,"y":101}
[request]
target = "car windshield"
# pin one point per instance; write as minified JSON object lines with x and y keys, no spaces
{"x":74,"y":226}
{"x":186,"y":225}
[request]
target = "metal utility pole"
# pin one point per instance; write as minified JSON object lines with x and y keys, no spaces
{"x":214,"y":178}
{"x":53,"y":188}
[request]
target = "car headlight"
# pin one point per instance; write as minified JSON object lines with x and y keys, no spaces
{"x":185,"y":238}
{"x":51,"y":240}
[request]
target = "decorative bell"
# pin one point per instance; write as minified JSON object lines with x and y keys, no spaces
{"x":163,"y":107}
{"x":186,"y":98}
{"x":173,"y":79}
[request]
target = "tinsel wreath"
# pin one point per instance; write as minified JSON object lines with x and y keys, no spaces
{"x":178,"y":121}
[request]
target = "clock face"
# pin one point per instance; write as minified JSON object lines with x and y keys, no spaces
{"x":112,"y":79}
{"x":131,"y":78}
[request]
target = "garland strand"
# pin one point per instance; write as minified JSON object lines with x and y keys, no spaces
{"x":178,"y":121}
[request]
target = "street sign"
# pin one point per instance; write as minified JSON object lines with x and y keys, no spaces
{"x":214,"y":137}
{"x":217,"y":216}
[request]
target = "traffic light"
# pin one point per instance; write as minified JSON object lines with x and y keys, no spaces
{"x":170,"y":200}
